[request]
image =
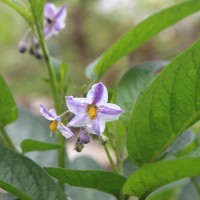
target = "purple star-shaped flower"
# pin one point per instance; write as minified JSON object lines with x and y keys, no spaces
{"x":54,"y":19}
{"x":56,"y":121}
{"x":93,"y":111}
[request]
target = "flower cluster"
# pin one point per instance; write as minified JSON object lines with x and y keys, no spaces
{"x":53,"y":23}
{"x":91,"y":114}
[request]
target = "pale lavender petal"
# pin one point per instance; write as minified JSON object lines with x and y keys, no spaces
{"x":79,"y":121}
{"x":61,"y":14}
{"x":46,"y":113}
{"x":58,"y":26}
{"x":78,"y":106}
{"x":48,"y":31}
{"x":109,"y":112}
{"x":98,"y":95}
{"x":96,"y":126}
{"x":50,"y":11}
{"x":65,"y":131}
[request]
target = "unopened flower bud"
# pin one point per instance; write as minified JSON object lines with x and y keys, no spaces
{"x":22,"y":46}
{"x":84,"y":137}
{"x":103,"y":139}
{"x":78,"y":146}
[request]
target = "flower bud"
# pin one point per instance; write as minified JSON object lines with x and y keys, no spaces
{"x":78,"y":146}
{"x":103,"y":139}
{"x":22,"y":46}
{"x":84,"y":137}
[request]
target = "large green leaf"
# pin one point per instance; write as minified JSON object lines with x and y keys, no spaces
{"x":8,"y":108}
{"x":19,"y":7}
{"x":34,"y":145}
{"x":150,"y":177}
{"x":100,"y":180}
{"x":133,"y":84}
{"x":22,"y":177}
{"x":140,"y":34}
{"x":168,"y":107}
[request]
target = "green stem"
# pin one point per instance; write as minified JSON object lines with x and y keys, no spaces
{"x":7,"y":139}
{"x":111,"y":160}
{"x":61,"y":157}
{"x":196,"y":185}
{"x":61,"y":140}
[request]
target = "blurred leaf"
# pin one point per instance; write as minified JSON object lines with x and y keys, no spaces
{"x":170,"y":191}
{"x":168,"y":107}
{"x":31,"y":126}
{"x":129,"y":167}
{"x":100,"y":180}
{"x":183,"y":144}
{"x":133,"y":84}
{"x":189,"y":192}
{"x":8,"y":108}
{"x":150,"y":177}
{"x":34,"y":145}
{"x":19,"y":7}
{"x":37,"y":7}
{"x":22,"y":177}
{"x":8,"y":196}
{"x":140,"y":34}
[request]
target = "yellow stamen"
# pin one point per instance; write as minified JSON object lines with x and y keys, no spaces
{"x":92,"y":111}
{"x":53,"y":126}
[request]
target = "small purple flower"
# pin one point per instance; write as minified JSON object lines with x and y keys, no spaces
{"x":54,"y":19}
{"x":56,"y":121}
{"x":93,"y":111}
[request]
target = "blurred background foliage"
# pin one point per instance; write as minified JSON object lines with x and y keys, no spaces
{"x":91,"y":27}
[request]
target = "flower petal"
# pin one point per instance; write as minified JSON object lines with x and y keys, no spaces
{"x":78,"y":106}
{"x":109,"y":112}
{"x":61,"y":14}
{"x":50,"y":11}
{"x":98,"y":95}
{"x":48,"y":114}
{"x":96,"y":126}
{"x":79,"y":121}
{"x":58,"y":26}
{"x":65,"y":131}
{"x":48,"y":31}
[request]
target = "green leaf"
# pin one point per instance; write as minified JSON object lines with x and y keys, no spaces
{"x":37,"y":7}
{"x":168,"y":107}
{"x":77,"y":193}
{"x":8,"y":108}
{"x":140,"y":34}
{"x":150,"y":177}
{"x":133,"y":84}
{"x":19,"y":7}
{"x":34,"y":145}
{"x":22,"y":177}
{"x":100,"y":180}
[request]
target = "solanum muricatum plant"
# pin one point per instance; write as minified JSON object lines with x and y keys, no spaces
{"x":146,"y":123}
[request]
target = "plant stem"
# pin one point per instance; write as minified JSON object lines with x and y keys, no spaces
{"x":61,"y":139}
{"x":7,"y":139}
{"x":196,"y":185}
{"x":111,"y":160}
